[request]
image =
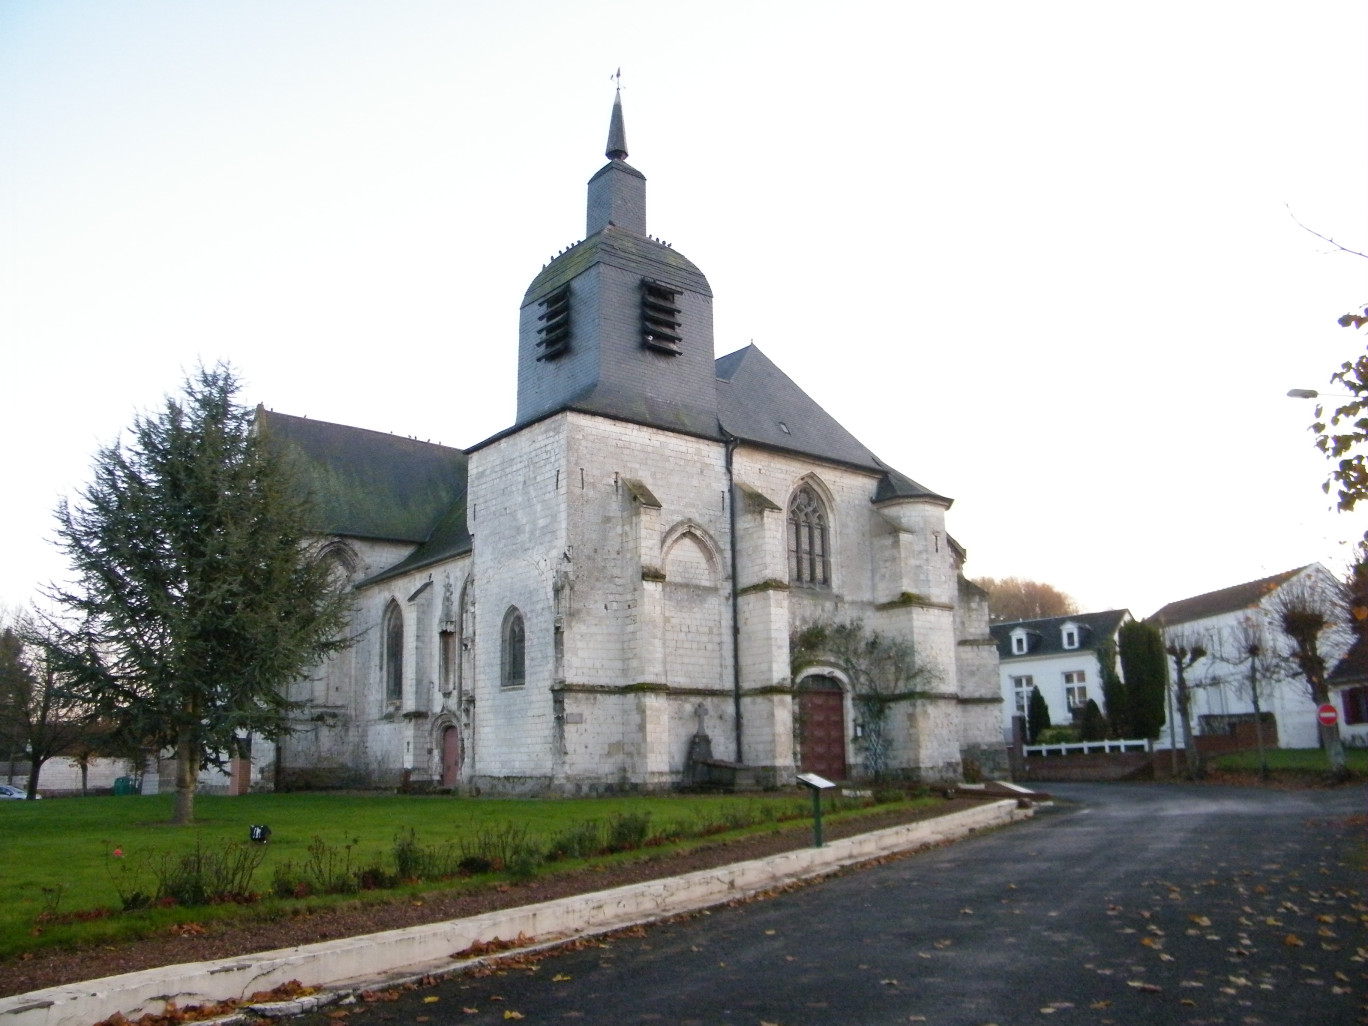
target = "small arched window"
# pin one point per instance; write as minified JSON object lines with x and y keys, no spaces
{"x":394,"y":653}
{"x":514,"y":650}
{"x":809,"y":539}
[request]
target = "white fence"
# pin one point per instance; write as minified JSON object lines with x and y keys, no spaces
{"x":1086,"y":748}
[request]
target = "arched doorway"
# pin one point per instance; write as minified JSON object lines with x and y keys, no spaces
{"x":822,"y":727}
{"x":451,"y":756}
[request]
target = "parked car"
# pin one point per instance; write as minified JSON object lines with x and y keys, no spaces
{"x":10,"y":791}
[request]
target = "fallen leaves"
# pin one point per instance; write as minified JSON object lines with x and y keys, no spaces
{"x":479,"y":947}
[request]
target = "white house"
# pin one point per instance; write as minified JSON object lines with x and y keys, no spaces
{"x":1060,"y":656}
{"x":1223,"y":623}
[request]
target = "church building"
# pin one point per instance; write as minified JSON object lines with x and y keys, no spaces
{"x":601,"y":597}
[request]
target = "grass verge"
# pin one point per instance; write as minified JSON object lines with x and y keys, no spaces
{"x":84,"y":871}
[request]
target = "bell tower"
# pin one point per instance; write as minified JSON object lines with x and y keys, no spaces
{"x":619,"y":324}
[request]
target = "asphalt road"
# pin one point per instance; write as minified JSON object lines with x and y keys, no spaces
{"x":1127,"y":904}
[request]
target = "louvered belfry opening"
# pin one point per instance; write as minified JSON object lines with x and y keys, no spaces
{"x":660,"y":316}
{"x":554,"y":333}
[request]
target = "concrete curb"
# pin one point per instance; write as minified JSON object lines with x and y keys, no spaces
{"x":377,"y":959}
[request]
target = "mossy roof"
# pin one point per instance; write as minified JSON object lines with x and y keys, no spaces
{"x":368,"y":484}
{"x":619,"y":248}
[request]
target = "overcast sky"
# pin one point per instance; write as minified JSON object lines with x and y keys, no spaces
{"x":1037,"y":256}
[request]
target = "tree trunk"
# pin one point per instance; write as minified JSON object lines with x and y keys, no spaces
{"x":187,"y":772}
{"x":36,"y":764}
{"x":1334,"y":751}
{"x":1192,"y":759}
{"x":1258,"y":715}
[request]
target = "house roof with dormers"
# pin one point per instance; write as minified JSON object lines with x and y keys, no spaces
{"x":1226,"y":600}
{"x":1046,"y":636}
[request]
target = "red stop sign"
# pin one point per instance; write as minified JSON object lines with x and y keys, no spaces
{"x":1327,"y":715}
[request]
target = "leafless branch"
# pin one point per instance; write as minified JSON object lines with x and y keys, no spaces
{"x":1324,"y":238}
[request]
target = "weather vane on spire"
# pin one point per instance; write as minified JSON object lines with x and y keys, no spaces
{"x":616,"y":77}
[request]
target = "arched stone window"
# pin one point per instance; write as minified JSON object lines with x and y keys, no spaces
{"x":809,"y":540}
{"x":514,"y":650}
{"x":394,"y":653}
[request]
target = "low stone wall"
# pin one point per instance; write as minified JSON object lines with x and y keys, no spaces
{"x":1096,"y":766}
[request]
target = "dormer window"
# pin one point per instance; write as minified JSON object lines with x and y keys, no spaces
{"x":660,"y":318}
{"x":1021,"y":644}
{"x":554,"y":333}
{"x":1069,"y":634}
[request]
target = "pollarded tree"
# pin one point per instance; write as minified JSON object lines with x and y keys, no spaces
{"x":196,"y":598}
{"x":1186,"y":652}
{"x":1310,"y":613}
{"x":1246,"y":646}
{"x":880,"y":671}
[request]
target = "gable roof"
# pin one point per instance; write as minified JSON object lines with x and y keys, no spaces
{"x":760,"y":404}
{"x":1226,"y":600}
{"x":1048,"y":639}
{"x":1353,"y":668}
{"x":368,"y":484}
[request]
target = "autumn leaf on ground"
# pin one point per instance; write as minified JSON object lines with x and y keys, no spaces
{"x":422,"y":1018}
{"x":559,"y":978}
{"x":510,"y":1014}
{"x":1200,"y":920}
{"x":471,"y":1011}
{"x":1097,"y":1006}
{"x":1148,"y":988}
{"x":1293,"y":941}
{"x":431,"y":999}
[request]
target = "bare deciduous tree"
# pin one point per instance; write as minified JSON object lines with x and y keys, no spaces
{"x":1016,"y":598}
{"x":1185,"y":653}
{"x":1247,"y":644}
{"x":1311,"y":612}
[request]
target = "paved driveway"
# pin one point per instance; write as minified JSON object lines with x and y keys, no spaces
{"x":1126,"y":904}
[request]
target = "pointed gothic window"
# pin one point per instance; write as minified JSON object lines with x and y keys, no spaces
{"x":809,"y":539}
{"x":394,"y":653}
{"x":554,"y":333}
{"x":514,"y":650}
{"x":660,"y":316}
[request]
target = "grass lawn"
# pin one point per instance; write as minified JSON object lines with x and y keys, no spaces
{"x":1292,"y":761}
{"x":70,"y":863}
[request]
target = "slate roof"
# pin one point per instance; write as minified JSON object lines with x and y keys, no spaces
{"x":1227,"y":600}
{"x":1353,"y":668}
{"x":623,"y":249}
{"x":1048,"y":639}
{"x":368,"y":484}
{"x":760,"y":404}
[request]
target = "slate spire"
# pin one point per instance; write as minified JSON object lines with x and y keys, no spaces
{"x":617,"y":192}
{"x":617,"y":134}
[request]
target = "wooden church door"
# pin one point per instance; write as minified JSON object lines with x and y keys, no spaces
{"x":822,"y":729}
{"x":451,"y":757}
